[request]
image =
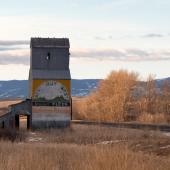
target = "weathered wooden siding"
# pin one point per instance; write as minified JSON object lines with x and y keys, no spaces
{"x":48,"y":116}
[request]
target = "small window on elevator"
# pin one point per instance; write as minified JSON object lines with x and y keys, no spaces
{"x":48,"y":56}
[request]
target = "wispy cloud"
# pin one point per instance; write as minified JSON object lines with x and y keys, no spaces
{"x":126,"y":55}
{"x":10,"y":48}
{"x":109,"y":5}
{"x":110,"y":37}
{"x":14,"y":57}
{"x":153,"y":35}
{"x":13,"y":42}
{"x":10,"y":45}
{"x":123,"y":54}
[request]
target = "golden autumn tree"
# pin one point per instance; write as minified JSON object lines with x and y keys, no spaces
{"x":151,"y":95}
{"x":110,"y":100}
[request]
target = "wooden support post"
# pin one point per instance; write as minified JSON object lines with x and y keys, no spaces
{"x":71,"y":109}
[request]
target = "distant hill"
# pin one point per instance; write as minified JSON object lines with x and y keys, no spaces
{"x":159,"y":82}
{"x":19,"y":88}
{"x":83,"y":87}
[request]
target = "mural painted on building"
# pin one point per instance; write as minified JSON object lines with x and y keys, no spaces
{"x":52,"y":93}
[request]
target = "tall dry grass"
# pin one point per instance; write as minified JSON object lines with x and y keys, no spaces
{"x":85,"y":147}
{"x":73,"y":157}
{"x":154,"y":118}
{"x":12,"y":135}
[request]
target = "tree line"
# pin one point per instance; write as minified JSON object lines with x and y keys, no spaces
{"x":122,"y":96}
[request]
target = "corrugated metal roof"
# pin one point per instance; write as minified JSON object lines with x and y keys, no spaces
{"x":50,"y":42}
{"x":51,"y":74}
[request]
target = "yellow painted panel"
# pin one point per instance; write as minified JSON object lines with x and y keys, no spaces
{"x":37,"y":83}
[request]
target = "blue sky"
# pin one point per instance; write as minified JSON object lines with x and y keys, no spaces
{"x":105,"y":35}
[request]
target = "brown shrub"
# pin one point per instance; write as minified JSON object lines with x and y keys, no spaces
{"x":12,"y":135}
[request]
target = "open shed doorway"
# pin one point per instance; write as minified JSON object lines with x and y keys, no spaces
{"x":22,"y":122}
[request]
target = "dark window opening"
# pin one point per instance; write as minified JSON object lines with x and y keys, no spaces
{"x":48,"y":56}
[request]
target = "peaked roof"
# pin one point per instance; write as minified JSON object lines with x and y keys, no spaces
{"x":50,"y":42}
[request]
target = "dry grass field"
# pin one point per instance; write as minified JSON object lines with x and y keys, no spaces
{"x":5,"y":103}
{"x":90,"y":147}
{"x":83,"y":147}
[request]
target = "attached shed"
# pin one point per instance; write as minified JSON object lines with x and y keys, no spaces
{"x":12,"y":117}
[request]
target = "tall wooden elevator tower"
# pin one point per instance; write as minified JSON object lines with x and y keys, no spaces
{"x":49,"y":76}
